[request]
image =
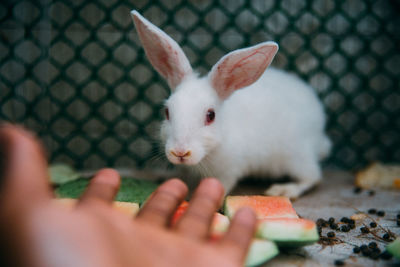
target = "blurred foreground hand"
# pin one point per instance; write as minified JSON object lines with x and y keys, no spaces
{"x":36,"y":231}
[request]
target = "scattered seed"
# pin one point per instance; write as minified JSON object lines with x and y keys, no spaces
{"x":356,"y":249}
{"x":339,"y":262}
{"x":357,"y":190}
{"x":372,"y":245}
{"x":373,"y":224}
{"x":380,"y":213}
{"x":331,"y":220}
{"x":330,"y":234}
{"x":364,"y":230}
{"x":372,"y":211}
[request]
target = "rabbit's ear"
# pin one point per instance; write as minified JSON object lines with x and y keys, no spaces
{"x":241,"y":68}
{"x":163,"y":52}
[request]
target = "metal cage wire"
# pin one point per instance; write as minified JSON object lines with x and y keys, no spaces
{"x":75,"y":72}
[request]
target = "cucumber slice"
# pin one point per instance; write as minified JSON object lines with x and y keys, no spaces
{"x":394,"y":248}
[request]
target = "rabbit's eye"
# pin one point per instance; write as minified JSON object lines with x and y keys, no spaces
{"x":210,"y":116}
{"x":166,"y":113}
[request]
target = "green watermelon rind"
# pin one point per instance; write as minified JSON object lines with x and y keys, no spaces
{"x":284,"y":236}
{"x":260,"y":251}
{"x":394,"y":248}
{"x":131,"y":189}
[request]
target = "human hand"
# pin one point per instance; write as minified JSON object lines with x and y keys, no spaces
{"x":36,"y":231}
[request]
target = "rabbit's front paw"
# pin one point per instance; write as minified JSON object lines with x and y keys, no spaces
{"x":290,"y":190}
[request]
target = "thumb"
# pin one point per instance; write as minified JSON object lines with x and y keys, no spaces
{"x":24,"y":175}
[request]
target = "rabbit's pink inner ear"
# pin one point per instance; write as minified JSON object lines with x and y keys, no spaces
{"x":241,"y":68}
{"x":162,"y":51}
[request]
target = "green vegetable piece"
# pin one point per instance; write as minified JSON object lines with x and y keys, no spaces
{"x":394,"y":248}
{"x":62,"y":173}
{"x":131,"y":189}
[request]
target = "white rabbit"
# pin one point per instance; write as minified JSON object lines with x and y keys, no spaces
{"x":274,"y":126}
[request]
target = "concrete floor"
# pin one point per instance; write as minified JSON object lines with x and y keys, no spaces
{"x":335,"y":197}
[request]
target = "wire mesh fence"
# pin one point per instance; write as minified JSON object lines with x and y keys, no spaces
{"x":75,"y":72}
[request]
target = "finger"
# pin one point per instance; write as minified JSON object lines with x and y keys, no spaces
{"x":24,"y":168}
{"x":237,"y":240}
{"x":164,"y":201}
{"x":196,"y":221}
{"x":103,"y":186}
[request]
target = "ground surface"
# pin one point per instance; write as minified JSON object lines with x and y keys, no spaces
{"x":335,"y":197}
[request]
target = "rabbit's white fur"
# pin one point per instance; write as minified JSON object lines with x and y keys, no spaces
{"x":272,"y":127}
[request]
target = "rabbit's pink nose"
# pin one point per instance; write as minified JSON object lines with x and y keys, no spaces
{"x":181,"y":154}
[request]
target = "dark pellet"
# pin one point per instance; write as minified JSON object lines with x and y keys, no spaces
{"x":363,"y":247}
{"x":373,"y":224}
{"x":344,"y":228}
{"x":398,"y":216}
{"x":333,"y":226}
{"x":372,"y":245}
{"x":351,"y":221}
{"x":372,"y":211}
{"x":364,"y":230}
{"x":345,"y":220}
{"x":356,"y":249}
{"x":321,"y":222}
{"x":386,"y":255}
{"x":380,"y":213}
{"x":374,"y":255}
{"x":330,"y":234}
{"x":376,"y":250}
{"x":339,"y":262}
{"x":398,"y":222}
{"x":351,"y":225}
{"x":357,"y":190}
{"x":366,"y":252}
{"x":386,"y":236}
{"x":331,"y":220}
{"x":371,"y":193}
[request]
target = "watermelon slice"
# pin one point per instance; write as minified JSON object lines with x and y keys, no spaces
{"x":264,"y":206}
{"x":260,"y":251}
{"x":288,"y":232}
{"x":128,"y":208}
{"x":219,"y":224}
{"x":394,"y":248}
{"x":277,"y":219}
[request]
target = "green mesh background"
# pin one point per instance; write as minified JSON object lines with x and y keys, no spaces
{"x":75,"y":72}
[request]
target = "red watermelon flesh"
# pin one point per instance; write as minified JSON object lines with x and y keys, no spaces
{"x":219,"y":224}
{"x":264,"y":206}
